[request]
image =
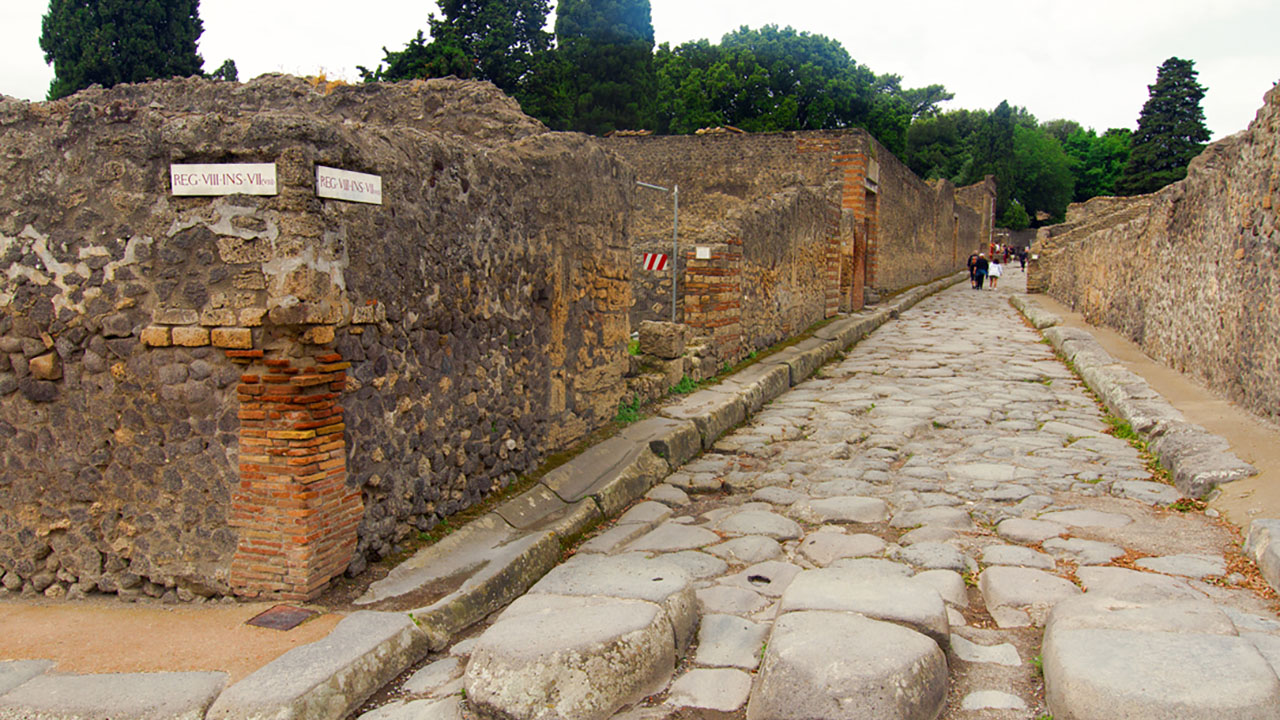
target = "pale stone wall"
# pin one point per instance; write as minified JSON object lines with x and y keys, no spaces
{"x":1190,"y":273}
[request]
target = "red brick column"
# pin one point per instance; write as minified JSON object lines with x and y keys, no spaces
{"x":296,"y":516}
{"x":713,"y":297}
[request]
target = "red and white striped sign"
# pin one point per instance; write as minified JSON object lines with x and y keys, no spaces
{"x":655,"y":261}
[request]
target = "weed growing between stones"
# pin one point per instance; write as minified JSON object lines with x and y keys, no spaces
{"x":628,"y":412}
{"x":685,"y":386}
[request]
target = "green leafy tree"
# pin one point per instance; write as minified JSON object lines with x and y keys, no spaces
{"x":226,"y":71}
{"x":422,"y":58}
{"x":1042,"y":180}
{"x":1170,"y":131}
{"x":1098,"y":160}
{"x":117,"y":41}
{"x":608,"y":48}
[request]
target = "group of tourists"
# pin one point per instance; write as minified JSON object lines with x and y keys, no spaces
{"x":988,"y":270}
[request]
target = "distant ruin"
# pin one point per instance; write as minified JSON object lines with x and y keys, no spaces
{"x":1190,"y":273}
{"x":251,"y":394}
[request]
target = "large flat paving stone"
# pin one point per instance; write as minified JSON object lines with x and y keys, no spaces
{"x":895,"y":600}
{"x":760,"y":522}
{"x":1084,"y":552}
{"x":747,"y":549}
{"x":113,"y":696}
{"x":1194,"y":566}
{"x":729,"y":641}
{"x":1087,"y":518}
{"x":630,"y":576}
{"x":1122,"y":674}
{"x":1017,"y":589}
{"x":722,"y":690}
{"x":1124,"y":584}
{"x":671,"y":537}
{"x":842,"y":666}
{"x":824,"y":548}
{"x":1099,"y":612}
{"x":841,"y":509}
{"x":1023,"y":530}
{"x":569,"y":658}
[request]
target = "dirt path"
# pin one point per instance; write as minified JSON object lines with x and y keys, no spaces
{"x":106,"y":636}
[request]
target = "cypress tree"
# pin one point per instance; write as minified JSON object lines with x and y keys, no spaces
{"x":117,"y":41}
{"x":608,"y":47}
{"x":1170,"y":131}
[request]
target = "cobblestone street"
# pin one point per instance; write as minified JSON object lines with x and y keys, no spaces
{"x":886,"y":540}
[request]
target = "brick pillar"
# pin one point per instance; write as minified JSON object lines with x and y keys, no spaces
{"x":295,"y":514}
{"x":853,"y":198}
{"x":713,"y":297}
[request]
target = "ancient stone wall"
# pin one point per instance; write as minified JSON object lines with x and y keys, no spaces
{"x":798,"y":225}
{"x":1191,"y":273}
{"x":202,"y":395}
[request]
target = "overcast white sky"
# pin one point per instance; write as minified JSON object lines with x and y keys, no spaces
{"x":1087,"y":60}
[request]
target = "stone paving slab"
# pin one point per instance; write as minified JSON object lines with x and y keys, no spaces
{"x":15,"y":672}
{"x":570,"y":657}
{"x":113,"y":696}
{"x":895,"y":600}
{"x":1130,"y":674}
{"x":842,"y":666}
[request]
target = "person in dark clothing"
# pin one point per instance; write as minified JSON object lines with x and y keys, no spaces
{"x":973,"y":264}
{"x":980,"y":271}
{"x":1022,"y":259}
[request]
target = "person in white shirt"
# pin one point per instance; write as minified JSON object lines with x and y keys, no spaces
{"x":994,"y":272}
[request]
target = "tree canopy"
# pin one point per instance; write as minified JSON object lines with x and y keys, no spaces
{"x":602,"y":73}
{"x":116,"y":41}
{"x":607,"y":46}
{"x":1170,"y":133}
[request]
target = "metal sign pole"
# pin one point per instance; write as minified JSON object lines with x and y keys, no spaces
{"x":675,"y":236}
{"x":675,"y":246}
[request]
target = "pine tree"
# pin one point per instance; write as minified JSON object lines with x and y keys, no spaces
{"x":116,"y":41}
{"x":1170,"y":131}
{"x":608,"y":46}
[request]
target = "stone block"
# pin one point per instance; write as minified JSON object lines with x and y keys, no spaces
{"x":46,"y":367}
{"x":663,"y":339}
{"x":156,"y":336}
{"x":252,"y":316}
{"x":175,"y":316}
{"x":569,"y":658}
{"x":319,"y":335}
{"x":190,"y":336}
{"x":843,"y":666}
{"x":234,"y":338}
{"x":213,"y":317}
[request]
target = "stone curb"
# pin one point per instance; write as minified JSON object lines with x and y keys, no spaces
{"x":522,"y":538}
{"x":1196,"y":459}
{"x":1261,"y":545}
{"x":328,"y":678}
{"x":51,"y":696}
{"x":1037,"y":316}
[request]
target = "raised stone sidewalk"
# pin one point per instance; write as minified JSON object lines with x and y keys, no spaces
{"x":935,"y":524}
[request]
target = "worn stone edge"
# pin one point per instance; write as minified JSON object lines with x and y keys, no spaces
{"x":1131,"y":398}
{"x":1261,"y":545}
{"x":290,"y":694}
{"x":1036,"y":315}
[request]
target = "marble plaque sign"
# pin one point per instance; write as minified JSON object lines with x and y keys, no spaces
{"x":348,"y":185}
{"x":223,"y":179}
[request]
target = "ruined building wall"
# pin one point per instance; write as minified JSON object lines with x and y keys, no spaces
{"x":1191,"y":273}
{"x":228,"y":394}
{"x":800,"y":225}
